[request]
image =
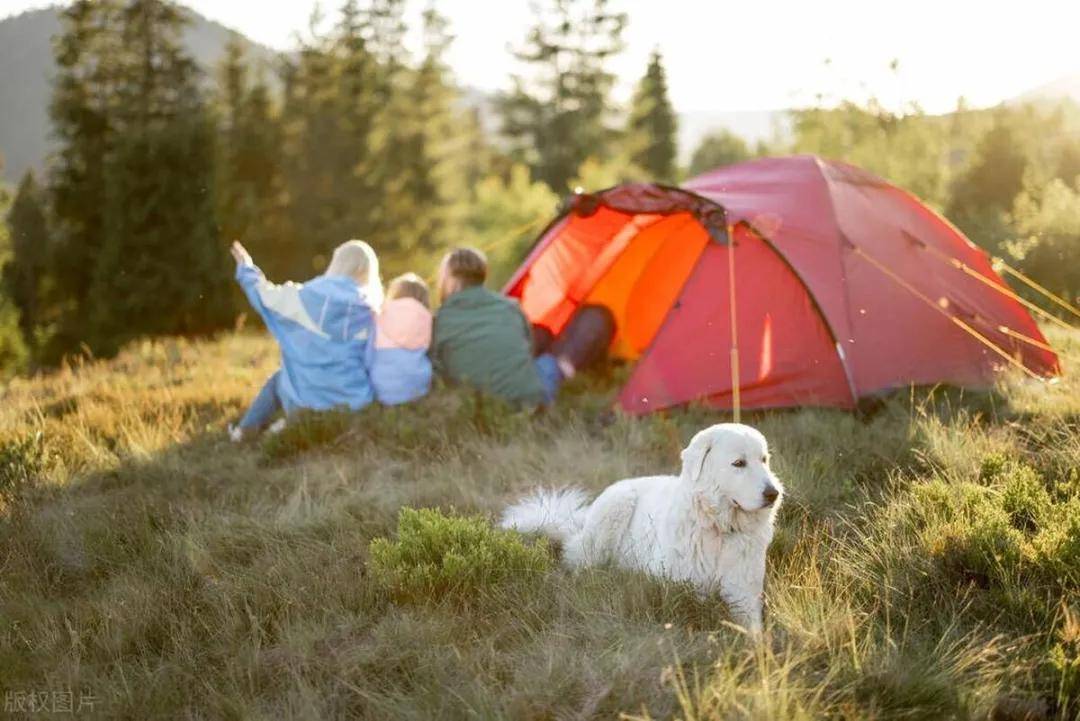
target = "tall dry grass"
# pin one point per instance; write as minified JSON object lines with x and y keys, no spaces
{"x":926,"y":563}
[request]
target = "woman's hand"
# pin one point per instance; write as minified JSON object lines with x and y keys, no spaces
{"x":239,"y":253}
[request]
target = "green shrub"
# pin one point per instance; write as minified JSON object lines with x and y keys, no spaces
{"x":938,"y":502}
{"x":1024,"y":498}
{"x":993,"y":465}
{"x":986,"y":550}
{"x":22,"y":461}
{"x":966,"y":530}
{"x":1057,"y":545}
{"x":1064,"y":662}
{"x":439,"y":556}
{"x":1010,"y":533}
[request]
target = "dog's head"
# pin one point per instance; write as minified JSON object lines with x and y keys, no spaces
{"x":728,"y":464}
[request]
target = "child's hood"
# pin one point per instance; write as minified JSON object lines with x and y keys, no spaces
{"x":403,"y":323}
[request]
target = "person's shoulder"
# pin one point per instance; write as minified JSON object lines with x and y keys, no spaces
{"x":499,"y":298}
{"x":336,"y":286}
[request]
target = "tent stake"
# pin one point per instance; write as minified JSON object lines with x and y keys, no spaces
{"x":735,"y":401}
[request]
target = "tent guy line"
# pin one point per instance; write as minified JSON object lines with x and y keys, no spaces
{"x":1004,"y":290}
{"x":1032,"y":284}
{"x":937,"y":306}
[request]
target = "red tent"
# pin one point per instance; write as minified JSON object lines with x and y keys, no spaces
{"x":844,"y":287}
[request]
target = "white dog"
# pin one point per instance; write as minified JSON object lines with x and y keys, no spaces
{"x":710,"y":525}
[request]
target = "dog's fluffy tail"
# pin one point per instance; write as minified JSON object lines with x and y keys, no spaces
{"x":558,"y":514}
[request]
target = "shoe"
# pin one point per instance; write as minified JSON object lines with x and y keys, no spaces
{"x":276,"y":427}
{"x":236,"y":433}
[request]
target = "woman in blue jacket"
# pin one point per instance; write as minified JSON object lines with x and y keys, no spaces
{"x":324,"y":328}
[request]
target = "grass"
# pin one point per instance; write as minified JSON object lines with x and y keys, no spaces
{"x":926,"y":565}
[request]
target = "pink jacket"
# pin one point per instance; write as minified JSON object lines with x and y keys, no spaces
{"x":403,"y":323}
{"x":400,"y":368}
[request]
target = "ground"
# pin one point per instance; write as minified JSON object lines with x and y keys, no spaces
{"x":927,"y":562}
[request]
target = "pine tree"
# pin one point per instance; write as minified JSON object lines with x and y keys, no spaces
{"x":13,"y":353}
{"x":250,"y":180}
{"x":384,"y":29}
{"x":334,"y":92}
{"x":446,"y":132}
{"x":162,"y":268}
{"x":558,"y":118}
{"x":423,"y":170}
{"x":24,"y":274}
{"x":653,"y":125}
{"x":312,"y":153}
{"x":81,"y":111}
{"x":364,"y":92}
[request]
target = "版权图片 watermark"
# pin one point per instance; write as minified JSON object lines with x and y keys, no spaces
{"x":49,"y":701}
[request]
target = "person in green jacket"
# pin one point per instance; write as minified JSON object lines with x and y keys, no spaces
{"x":482,"y":339}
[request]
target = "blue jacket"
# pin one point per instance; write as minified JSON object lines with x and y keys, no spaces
{"x":325,"y":329}
{"x":400,"y":375}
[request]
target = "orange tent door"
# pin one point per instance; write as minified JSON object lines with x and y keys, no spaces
{"x":635,"y":265}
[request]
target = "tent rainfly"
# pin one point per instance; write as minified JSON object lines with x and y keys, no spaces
{"x":832,"y":284}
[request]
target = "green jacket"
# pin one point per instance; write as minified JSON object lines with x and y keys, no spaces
{"x":482,"y":339}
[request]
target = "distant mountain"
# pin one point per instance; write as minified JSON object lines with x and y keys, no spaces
{"x":1064,"y":88}
{"x":26,"y":69}
{"x":26,"y":66}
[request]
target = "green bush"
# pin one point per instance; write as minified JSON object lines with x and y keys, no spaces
{"x":1064,"y":662}
{"x":986,"y":550}
{"x":993,"y":466}
{"x":1009,"y":532}
{"x":1025,"y":499}
{"x":439,"y":556}
{"x":1057,"y":545}
{"x":967,"y":531}
{"x":1046,"y":227}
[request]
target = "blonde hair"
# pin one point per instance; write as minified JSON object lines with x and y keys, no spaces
{"x":409,"y":285}
{"x":356,"y":259}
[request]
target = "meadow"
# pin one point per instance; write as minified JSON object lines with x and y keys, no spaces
{"x":926,"y":565}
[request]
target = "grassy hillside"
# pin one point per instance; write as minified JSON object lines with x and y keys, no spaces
{"x":923,"y":568}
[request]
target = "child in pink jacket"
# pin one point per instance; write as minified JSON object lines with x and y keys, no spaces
{"x":400,"y":367}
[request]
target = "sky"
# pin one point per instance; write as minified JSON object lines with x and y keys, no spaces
{"x":758,"y":54}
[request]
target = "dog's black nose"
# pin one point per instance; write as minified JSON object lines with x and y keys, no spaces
{"x":770,"y":495}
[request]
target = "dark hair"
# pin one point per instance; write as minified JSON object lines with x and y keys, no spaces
{"x":467,"y":265}
{"x":409,"y":285}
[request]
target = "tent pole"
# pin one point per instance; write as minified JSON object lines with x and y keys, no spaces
{"x":735,"y":401}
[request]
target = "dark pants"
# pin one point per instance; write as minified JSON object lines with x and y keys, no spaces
{"x":583,"y":343}
{"x":586,"y":338}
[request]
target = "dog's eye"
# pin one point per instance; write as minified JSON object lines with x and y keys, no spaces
{"x":741,"y":463}
{"x":765,"y":460}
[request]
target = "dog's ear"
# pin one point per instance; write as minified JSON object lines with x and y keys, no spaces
{"x":694,"y":455}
